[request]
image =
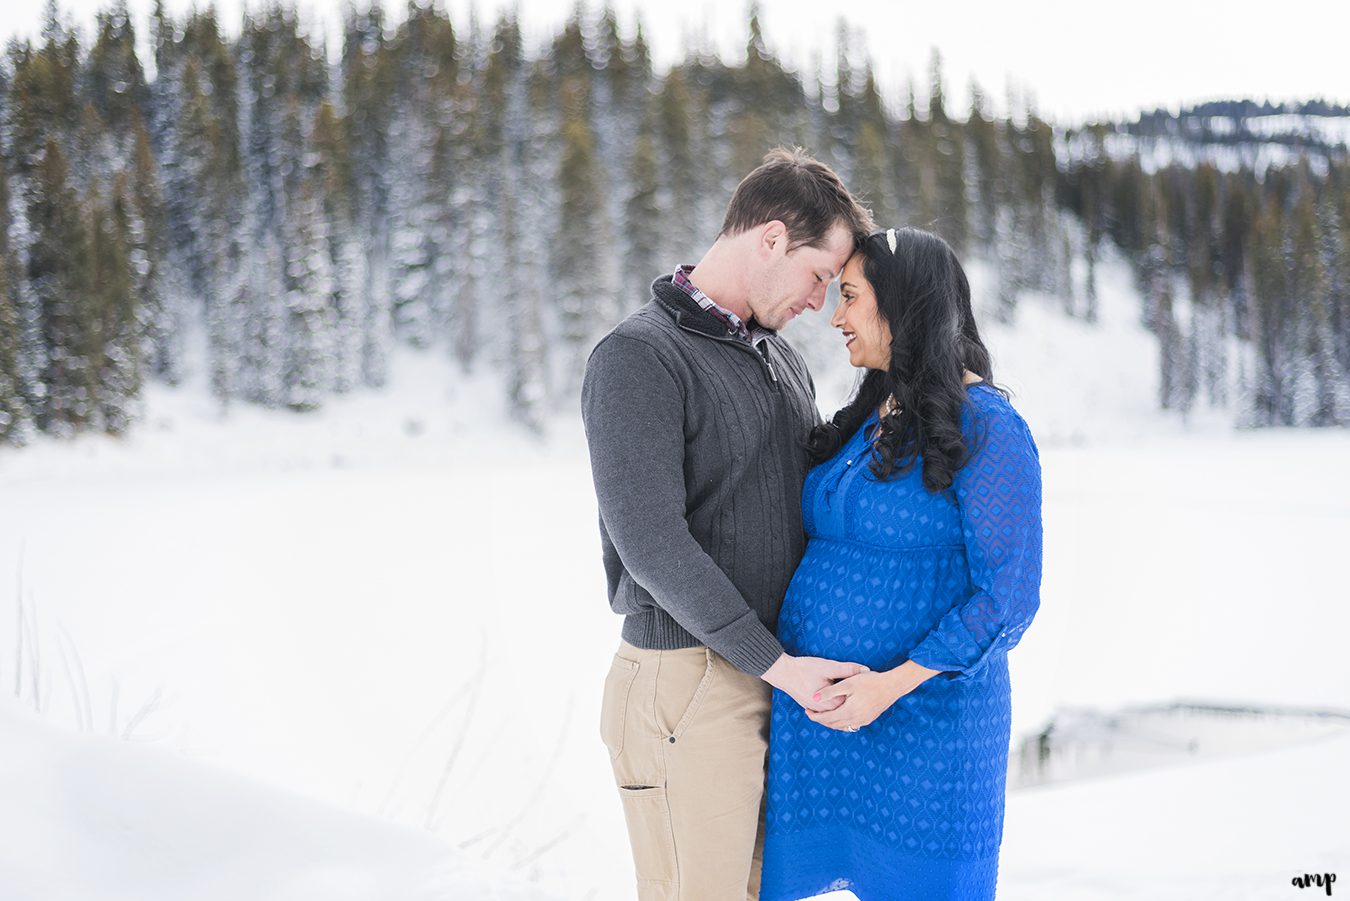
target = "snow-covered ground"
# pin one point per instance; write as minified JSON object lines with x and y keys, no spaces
{"x":379,"y":635}
{"x":89,"y":816}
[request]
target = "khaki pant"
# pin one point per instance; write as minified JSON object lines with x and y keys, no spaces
{"x":687,"y":735}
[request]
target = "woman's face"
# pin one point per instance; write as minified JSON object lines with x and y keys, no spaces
{"x":866,"y":333}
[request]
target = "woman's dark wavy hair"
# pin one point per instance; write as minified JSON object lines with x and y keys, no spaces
{"x":923,"y":295}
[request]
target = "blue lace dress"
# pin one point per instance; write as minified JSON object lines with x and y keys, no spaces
{"x":910,"y":807}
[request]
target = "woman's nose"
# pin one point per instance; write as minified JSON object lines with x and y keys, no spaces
{"x":836,"y":319}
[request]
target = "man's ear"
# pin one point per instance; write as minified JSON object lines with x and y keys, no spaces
{"x":772,"y":234}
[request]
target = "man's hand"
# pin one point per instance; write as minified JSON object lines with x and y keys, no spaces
{"x":803,"y":677}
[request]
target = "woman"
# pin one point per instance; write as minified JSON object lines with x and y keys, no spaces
{"x":924,"y":563}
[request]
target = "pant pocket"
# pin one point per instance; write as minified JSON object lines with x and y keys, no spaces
{"x":614,"y":704}
{"x":647,"y":812}
{"x":683,"y":682}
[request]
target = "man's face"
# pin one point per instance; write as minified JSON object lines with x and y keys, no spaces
{"x":793,"y":281}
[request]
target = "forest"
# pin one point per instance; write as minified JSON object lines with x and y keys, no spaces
{"x":283,"y":215}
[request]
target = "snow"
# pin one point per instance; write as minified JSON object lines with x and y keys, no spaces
{"x":380,"y":637}
{"x":91,"y":817}
{"x":1259,"y":151}
{"x":1234,"y":829}
{"x":1330,"y":129}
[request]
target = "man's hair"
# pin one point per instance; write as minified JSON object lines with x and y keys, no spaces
{"x":801,"y":192}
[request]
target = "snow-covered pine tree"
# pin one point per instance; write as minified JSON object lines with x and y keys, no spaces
{"x":114,"y":82}
{"x":161,"y":321}
{"x":423,"y":53}
{"x":982,"y":165}
{"x":525,"y":278}
{"x":16,"y":421}
{"x":947,"y":157}
{"x":680,"y":175}
{"x":1319,"y":375}
{"x":368,"y":77}
{"x":16,"y":416}
{"x":578,"y":238}
{"x":120,"y":335}
{"x":1269,"y":289}
{"x":307,"y":278}
{"x":346,"y":256}
{"x":58,"y":271}
{"x":874,"y":167}
{"x":468,"y":207}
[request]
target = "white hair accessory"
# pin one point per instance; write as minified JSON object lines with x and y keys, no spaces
{"x":890,"y":238}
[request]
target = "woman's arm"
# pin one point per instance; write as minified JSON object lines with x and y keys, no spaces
{"x":999,"y":495}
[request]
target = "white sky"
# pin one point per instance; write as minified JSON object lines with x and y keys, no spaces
{"x":1080,"y":60}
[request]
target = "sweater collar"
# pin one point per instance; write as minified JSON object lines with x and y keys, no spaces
{"x":687,"y":312}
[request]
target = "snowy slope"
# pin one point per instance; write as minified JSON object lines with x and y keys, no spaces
{"x":1251,"y":142}
{"x":98,"y":819}
{"x":1237,"y":830}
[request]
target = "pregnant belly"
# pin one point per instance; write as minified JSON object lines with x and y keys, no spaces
{"x":851,"y":601}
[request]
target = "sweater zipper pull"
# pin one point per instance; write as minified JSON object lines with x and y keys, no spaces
{"x":768,"y":363}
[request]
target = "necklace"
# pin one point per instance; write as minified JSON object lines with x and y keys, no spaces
{"x":889,"y":406}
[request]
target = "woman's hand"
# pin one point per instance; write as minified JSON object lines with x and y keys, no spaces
{"x":799,"y":677}
{"x":868,"y":695}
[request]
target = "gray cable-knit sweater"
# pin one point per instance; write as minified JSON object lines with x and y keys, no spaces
{"x":697,"y":449}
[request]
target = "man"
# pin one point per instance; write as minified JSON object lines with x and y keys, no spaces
{"x":696,"y":412}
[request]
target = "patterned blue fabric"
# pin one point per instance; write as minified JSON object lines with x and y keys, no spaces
{"x":909,"y":808}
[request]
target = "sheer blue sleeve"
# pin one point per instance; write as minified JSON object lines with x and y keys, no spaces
{"x":999,"y":495}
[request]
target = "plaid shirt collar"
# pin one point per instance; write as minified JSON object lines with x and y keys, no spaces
{"x":751,"y":334}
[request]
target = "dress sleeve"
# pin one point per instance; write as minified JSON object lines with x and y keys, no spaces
{"x":998,"y":492}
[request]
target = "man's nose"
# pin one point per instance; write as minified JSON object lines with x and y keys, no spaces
{"x":817,"y":299}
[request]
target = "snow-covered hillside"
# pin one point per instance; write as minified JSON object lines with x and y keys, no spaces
{"x":395,"y":606}
{"x":92,"y":818}
{"x":1229,"y":143}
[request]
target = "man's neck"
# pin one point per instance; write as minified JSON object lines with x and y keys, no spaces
{"x":716,"y":277}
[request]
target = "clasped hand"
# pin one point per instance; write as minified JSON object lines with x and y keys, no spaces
{"x":844,"y":696}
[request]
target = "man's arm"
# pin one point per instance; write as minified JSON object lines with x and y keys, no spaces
{"x":633,"y":410}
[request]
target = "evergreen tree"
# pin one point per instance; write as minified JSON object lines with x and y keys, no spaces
{"x":58,"y":272}
{"x":577,"y":240}
{"x":16,"y":422}
{"x":16,"y":381}
{"x":983,"y":165}
{"x":346,"y":257}
{"x":368,"y":73}
{"x":643,"y":221}
{"x":308,"y":275}
{"x":119,"y":340}
{"x":682,"y":186}
{"x":1268,"y":397}
{"x":161,"y":324}
{"x":873,"y":159}
{"x":115,"y":83}
{"x":946,"y":158}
